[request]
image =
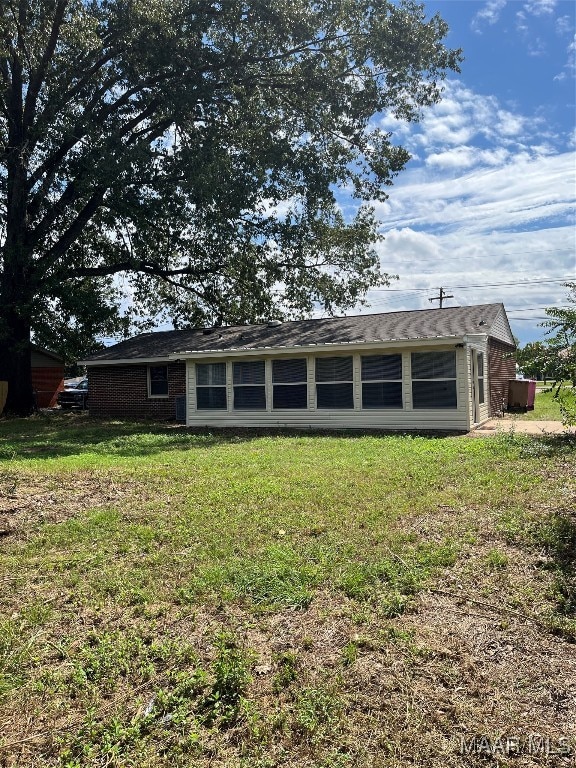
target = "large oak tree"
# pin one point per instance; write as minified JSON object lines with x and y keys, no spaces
{"x":188,"y":152}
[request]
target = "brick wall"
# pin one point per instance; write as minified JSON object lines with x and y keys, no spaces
{"x":501,"y":368}
{"x":122,"y":391}
{"x":47,"y":382}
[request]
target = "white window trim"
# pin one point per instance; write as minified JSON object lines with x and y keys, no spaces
{"x":210,"y":386}
{"x":273,"y":384}
{"x":383,"y":381}
{"x":444,"y":378}
{"x":480,"y":354}
{"x":264,"y":385}
{"x":351,"y":381}
{"x":150,"y":395}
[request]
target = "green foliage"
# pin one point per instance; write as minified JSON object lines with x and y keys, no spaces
{"x":392,"y":582}
{"x":194,"y":149}
{"x":554,"y":537}
{"x":496,"y":561}
{"x":278,"y":578}
{"x":349,"y":653}
{"x":231,"y":669}
{"x":189,"y":696}
{"x":556,"y":357}
{"x":557,"y":535}
{"x":534,"y":360}
{"x":287,"y":671}
{"x":316,"y":708}
{"x":14,"y":656}
{"x":546,"y":406}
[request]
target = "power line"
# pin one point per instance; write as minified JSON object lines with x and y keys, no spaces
{"x":532,"y":309}
{"x":482,"y":285}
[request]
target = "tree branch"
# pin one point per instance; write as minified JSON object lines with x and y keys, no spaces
{"x":73,"y":232}
{"x":136,"y":265}
{"x":50,"y":165}
{"x":37,"y":77}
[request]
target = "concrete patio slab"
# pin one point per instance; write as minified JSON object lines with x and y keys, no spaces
{"x":522,"y":427}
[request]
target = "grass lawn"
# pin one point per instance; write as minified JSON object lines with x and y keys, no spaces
{"x":546,"y":407}
{"x":172,"y":598}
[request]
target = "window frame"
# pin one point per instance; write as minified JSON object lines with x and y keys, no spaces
{"x":300,"y":383}
{"x":335,"y":382}
{"x":236,"y":387}
{"x":162,"y":396}
{"x":399,"y":381}
{"x":223,"y":386}
{"x":435,"y":379}
{"x":481,"y":376}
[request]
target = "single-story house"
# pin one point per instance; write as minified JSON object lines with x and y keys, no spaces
{"x":433,"y":369}
{"x":47,"y":376}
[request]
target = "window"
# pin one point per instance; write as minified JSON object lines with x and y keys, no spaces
{"x":334,"y":382}
{"x":290,"y":389}
{"x":249,"y":386}
{"x":211,"y":386}
{"x":480,"y":369}
{"x":434,"y":380}
{"x":158,"y":381}
{"x":382,"y":381}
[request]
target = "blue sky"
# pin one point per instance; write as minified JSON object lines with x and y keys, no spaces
{"x":486,"y":207}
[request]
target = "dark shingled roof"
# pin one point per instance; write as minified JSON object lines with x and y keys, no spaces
{"x":390,"y":326}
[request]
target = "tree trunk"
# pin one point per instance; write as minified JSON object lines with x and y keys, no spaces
{"x":16,"y":290}
{"x":16,"y":294}
{"x":15,"y":362}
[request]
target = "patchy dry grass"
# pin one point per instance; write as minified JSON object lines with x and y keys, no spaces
{"x":237,"y":600}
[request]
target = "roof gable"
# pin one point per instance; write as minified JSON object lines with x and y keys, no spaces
{"x":489,"y":319}
{"x":500,"y":328}
{"x":39,"y":352}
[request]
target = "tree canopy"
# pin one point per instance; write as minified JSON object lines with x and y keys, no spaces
{"x":555,"y":357}
{"x":187,"y":153}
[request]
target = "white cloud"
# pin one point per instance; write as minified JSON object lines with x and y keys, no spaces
{"x":473,"y":268}
{"x":464,"y":120}
{"x":564,"y":25}
{"x":498,"y":207}
{"x":570,"y":66}
{"x":467,"y":157}
{"x":521,"y":192}
{"x":540,"y":7}
{"x":489,"y":14}
{"x":509,"y":124}
{"x":459,"y":157}
{"x":521,"y":24}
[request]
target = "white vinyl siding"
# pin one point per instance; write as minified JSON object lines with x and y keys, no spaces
{"x":500,"y":329}
{"x":312,"y":417}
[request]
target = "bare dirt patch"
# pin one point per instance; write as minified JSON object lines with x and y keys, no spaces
{"x":27,"y":501}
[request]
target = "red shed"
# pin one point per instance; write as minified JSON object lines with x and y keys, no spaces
{"x":47,"y":376}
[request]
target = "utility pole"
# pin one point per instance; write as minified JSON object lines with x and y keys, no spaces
{"x":441,"y":297}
